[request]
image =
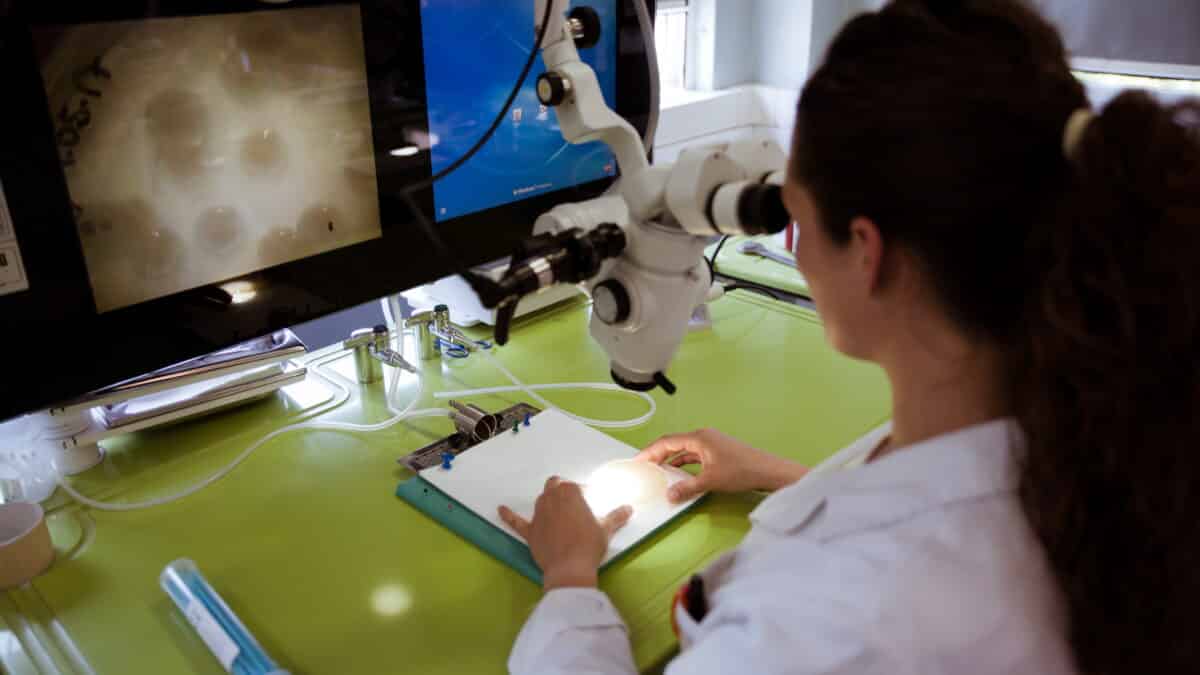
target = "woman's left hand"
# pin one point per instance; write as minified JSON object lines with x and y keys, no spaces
{"x":566,"y":540}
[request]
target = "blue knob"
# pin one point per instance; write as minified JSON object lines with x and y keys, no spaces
{"x":447,"y":457}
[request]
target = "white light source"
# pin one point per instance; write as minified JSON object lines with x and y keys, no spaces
{"x":624,"y":483}
{"x":240,"y":291}
{"x":406,"y":151}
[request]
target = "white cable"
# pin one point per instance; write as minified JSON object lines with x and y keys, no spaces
{"x":394,"y":318}
{"x":647,"y":27}
{"x":531,"y":391}
{"x":388,"y":318}
{"x":329,"y":375}
{"x":344,"y":394}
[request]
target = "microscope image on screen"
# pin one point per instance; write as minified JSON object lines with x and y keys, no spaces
{"x":199,"y":149}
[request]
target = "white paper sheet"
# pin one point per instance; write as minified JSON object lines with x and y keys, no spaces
{"x":511,"y":470}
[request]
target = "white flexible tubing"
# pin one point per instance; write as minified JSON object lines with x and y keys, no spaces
{"x":387,"y":315}
{"x":393,"y":388}
{"x":344,"y":394}
{"x":343,"y":385}
{"x":392,"y":316}
{"x":531,"y":391}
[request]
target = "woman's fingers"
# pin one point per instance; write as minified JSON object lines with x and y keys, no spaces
{"x":684,"y":458}
{"x":516,"y":522}
{"x":688,"y":488}
{"x":616,"y":520}
{"x":658,"y":451}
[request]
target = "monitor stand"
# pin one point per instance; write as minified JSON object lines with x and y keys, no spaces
{"x":208,"y":384}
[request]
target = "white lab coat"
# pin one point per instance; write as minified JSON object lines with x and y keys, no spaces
{"x":919,"y":563}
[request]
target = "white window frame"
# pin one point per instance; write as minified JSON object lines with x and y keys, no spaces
{"x":672,"y":46}
{"x":1174,"y":71}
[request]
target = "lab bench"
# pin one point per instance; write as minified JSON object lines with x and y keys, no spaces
{"x":332,"y":573}
{"x":734,"y":264}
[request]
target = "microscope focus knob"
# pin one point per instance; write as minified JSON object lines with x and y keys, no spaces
{"x":611,"y":302}
{"x":553,"y":89}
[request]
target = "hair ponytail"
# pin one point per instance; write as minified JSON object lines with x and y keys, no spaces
{"x":1111,"y":395}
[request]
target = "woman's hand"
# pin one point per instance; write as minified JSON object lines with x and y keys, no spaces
{"x":566,"y":540}
{"x":728,"y":464}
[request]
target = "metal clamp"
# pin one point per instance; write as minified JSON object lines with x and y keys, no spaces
{"x":366,"y":342}
{"x":372,"y":353}
{"x":434,"y":327}
{"x":474,"y":422}
{"x":422,"y":321}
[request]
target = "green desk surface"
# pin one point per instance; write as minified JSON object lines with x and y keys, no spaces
{"x":334,"y":574}
{"x":757,"y":269}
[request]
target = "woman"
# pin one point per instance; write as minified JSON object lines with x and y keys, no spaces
{"x":1027,"y":273}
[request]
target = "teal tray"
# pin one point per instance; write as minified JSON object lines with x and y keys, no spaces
{"x":487,"y":537}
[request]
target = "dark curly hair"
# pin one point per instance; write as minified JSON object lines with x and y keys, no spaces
{"x":943,"y":122}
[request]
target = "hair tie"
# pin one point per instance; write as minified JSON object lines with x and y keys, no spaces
{"x":1077,"y":125}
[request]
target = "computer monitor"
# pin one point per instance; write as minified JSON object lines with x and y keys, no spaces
{"x":528,"y":156}
{"x":184,"y":175}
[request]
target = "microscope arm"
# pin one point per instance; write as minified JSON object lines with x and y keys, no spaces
{"x":639,"y":252}
{"x":571,"y":88}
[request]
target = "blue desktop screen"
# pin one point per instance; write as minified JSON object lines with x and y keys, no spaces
{"x":474,"y":51}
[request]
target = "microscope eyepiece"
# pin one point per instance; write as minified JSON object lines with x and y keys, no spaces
{"x":748,"y":208}
{"x":761,"y":208}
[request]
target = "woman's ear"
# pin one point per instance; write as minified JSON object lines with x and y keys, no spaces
{"x":867,"y":251}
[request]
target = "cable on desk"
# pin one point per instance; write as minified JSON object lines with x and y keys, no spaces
{"x":740,"y":284}
{"x":754,"y":288}
{"x":531,"y":391}
{"x":712,"y":262}
{"x":408,"y":194}
{"x":317,"y":367}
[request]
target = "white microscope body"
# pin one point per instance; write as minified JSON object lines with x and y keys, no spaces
{"x":644,"y":297}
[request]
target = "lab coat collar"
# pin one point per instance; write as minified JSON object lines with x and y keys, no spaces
{"x":970,"y":463}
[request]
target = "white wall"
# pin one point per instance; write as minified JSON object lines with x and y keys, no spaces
{"x":736,"y":60}
{"x":751,"y":58}
{"x":782,"y":40}
{"x":767,"y":49}
{"x":735,"y":114}
{"x":828,"y":17}
{"x":733,"y":42}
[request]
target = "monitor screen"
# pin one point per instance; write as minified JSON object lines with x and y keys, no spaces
{"x":472,"y":48}
{"x":199,"y":149}
{"x":180,"y":176}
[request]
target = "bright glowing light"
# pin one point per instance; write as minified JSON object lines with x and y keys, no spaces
{"x":240,"y":291}
{"x":423,"y":140}
{"x":391,"y":600}
{"x":624,"y":482}
{"x":406,"y":151}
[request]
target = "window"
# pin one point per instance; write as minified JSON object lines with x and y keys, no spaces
{"x":1103,"y":87}
{"x":670,"y":38}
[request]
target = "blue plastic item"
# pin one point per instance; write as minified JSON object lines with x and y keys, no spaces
{"x":227,"y":638}
{"x":447,"y":457}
